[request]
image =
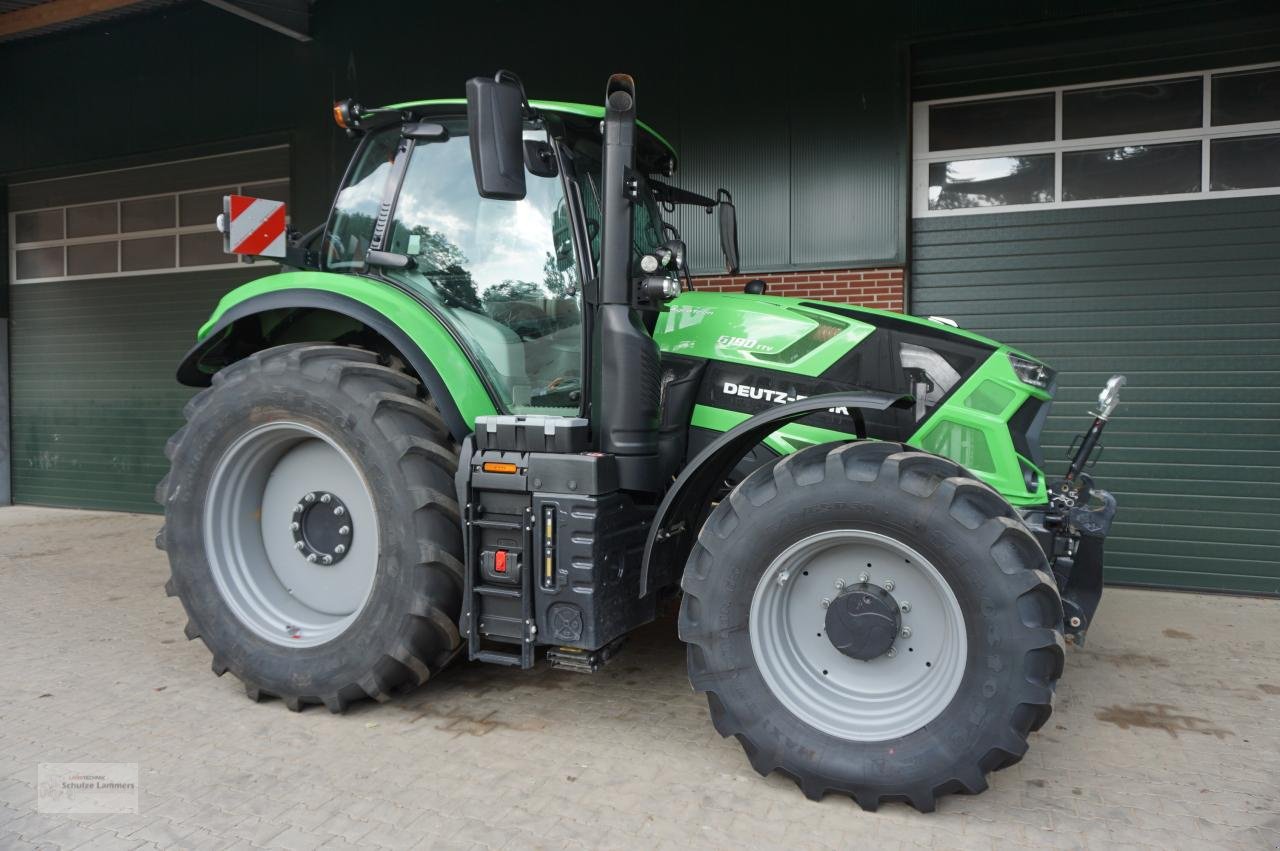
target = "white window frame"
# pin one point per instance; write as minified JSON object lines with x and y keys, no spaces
{"x":922,"y":157}
{"x":119,"y":237}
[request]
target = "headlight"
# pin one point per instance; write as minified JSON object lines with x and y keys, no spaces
{"x":1031,"y":372}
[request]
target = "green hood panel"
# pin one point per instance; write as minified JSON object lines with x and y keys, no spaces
{"x":776,"y":332}
{"x":415,"y":320}
{"x":757,"y":331}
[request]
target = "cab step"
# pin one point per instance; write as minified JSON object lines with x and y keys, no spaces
{"x":582,"y":661}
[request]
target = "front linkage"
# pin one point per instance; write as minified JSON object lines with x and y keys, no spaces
{"x":1076,"y":522}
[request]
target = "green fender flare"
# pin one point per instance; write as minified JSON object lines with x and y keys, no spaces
{"x":404,"y":321}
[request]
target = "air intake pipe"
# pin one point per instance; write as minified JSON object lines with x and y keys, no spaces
{"x":626,"y":372}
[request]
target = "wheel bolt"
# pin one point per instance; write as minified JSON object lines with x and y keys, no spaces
{"x":339,"y":511}
{"x":891,"y":652}
{"x":782,"y":578}
{"x":906,"y":607}
{"x":297,"y":509}
{"x":1075,"y":622}
{"x":906,"y":632}
{"x":312,"y":558}
{"x":825,"y":602}
{"x":295,"y":526}
{"x":326,"y":499}
{"x":888,"y":585}
{"x":864,"y":577}
{"x":340,"y":549}
{"x":328,"y":559}
{"x":345,"y":530}
{"x":309,"y":498}
{"x":839,"y":584}
{"x":298,"y":545}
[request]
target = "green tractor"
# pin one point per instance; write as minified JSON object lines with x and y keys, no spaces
{"x":486,"y":415}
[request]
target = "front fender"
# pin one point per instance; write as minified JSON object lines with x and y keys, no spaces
{"x":688,"y":502}
{"x":403,"y":321}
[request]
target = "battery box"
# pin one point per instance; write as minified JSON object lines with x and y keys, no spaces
{"x":553,"y":546}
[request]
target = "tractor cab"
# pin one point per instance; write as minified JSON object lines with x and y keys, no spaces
{"x":506,"y":275}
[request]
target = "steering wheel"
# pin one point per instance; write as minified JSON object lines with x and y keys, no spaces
{"x":333,"y":249}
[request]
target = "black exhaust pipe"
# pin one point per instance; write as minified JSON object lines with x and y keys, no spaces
{"x":626,"y":371}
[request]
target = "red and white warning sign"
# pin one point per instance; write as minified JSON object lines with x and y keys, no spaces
{"x":253,"y":226}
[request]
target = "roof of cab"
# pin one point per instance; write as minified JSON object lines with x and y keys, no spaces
{"x":585,"y":110}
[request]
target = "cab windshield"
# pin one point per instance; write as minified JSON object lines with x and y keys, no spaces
{"x":501,"y":273}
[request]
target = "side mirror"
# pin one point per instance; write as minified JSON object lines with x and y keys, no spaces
{"x":728,"y":230}
{"x":495,"y":121}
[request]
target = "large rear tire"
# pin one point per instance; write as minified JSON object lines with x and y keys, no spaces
{"x":874,"y":622}
{"x":312,"y":528}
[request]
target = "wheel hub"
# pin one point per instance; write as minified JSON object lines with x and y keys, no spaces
{"x":863,"y":622}
{"x":322,"y":528}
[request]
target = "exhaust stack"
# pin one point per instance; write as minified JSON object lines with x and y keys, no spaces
{"x":625,"y":363}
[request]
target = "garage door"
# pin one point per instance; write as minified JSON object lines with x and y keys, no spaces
{"x":111,"y":274}
{"x":1184,"y":298}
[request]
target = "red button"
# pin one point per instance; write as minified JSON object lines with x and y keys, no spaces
{"x":500,"y":561}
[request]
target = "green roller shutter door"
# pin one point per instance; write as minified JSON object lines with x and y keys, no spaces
{"x":94,"y":394}
{"x":92,"y":359}
{"x":1183,"y":298}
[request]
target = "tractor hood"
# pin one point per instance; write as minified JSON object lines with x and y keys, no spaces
{"x":797,"y":335}
{"x":976,"y":401}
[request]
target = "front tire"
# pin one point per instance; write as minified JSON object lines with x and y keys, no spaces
{"x":874,"y":622}
{"x":312,"y":528}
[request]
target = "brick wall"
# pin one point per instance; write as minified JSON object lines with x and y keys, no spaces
{"x":866,"y":287}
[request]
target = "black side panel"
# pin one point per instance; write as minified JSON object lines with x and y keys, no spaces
{"x":681,"y":379}
{"x":1025,"y":426}
{"x":625,"y":416}
{"x":593,"y":595}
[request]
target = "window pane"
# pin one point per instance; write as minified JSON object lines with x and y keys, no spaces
{"x":356,"y":207}
{"x":40,"y":263}
{"x":1000,"y":121}
{"x":154,"y":252}
{"x":1246,"y":96}
{"x":96,"y":220}
{"x":1130,"y":171}
{"x":1143,"y":108}
{"x":37,"y":227}
{"x":147,"y":214}
{"x":991,"y":182}
{"x":275,"y":191}
{"x":492,"y":270}
{"x":202,"y":249}
{"x":201,"y":208}
{"x":1247,"y":163}
{"x":94,"y":258}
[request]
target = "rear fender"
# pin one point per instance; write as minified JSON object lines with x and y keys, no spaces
{"x":261,"y":313}
{"x":688,"y":502}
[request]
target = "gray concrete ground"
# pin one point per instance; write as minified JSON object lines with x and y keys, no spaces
{"x":1165,"y":735}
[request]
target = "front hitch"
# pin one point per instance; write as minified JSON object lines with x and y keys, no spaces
{"x":1073,"y":528}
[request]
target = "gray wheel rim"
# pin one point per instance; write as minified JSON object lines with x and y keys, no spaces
{"x":249,"y":510}
{"x":863,"y":701}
